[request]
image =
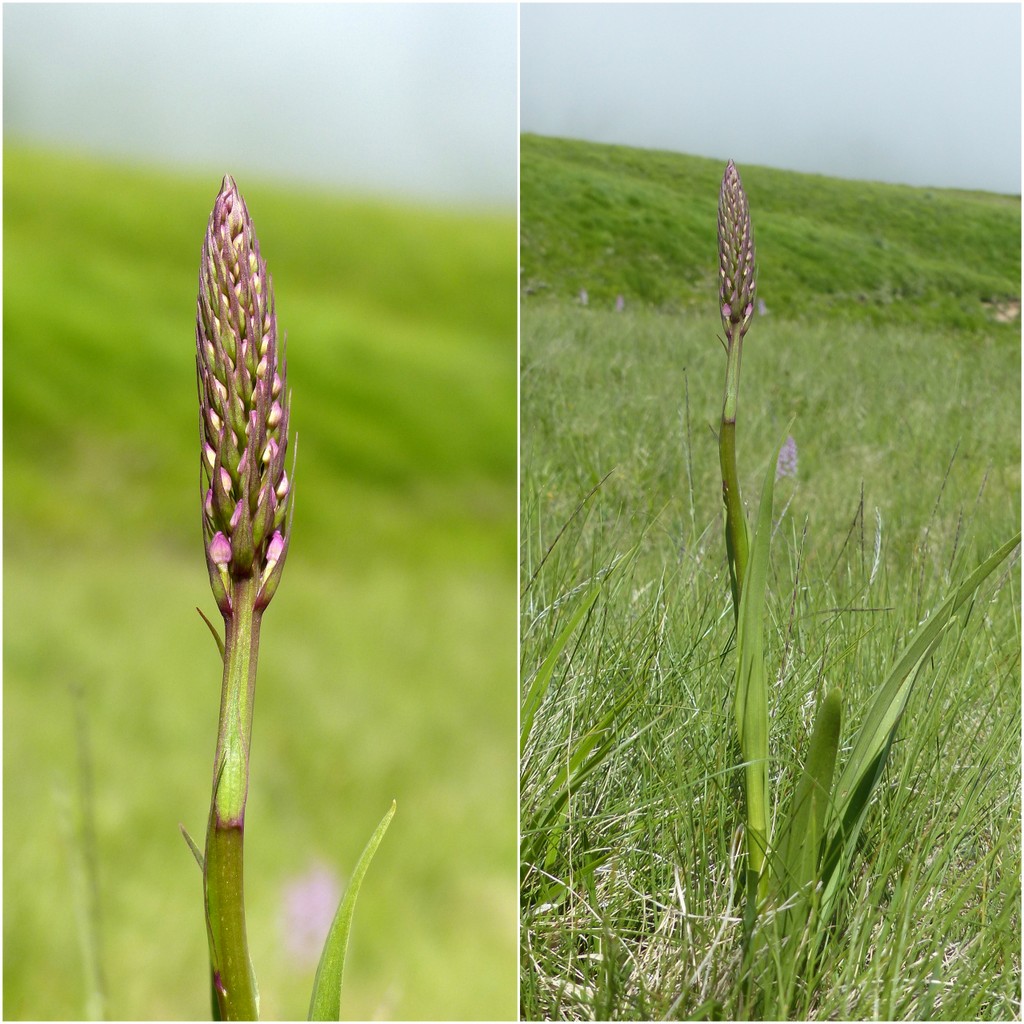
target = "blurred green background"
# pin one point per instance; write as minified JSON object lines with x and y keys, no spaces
{"x":388,"y":661}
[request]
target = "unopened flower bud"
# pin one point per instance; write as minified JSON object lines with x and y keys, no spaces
{"x":244,"y":403}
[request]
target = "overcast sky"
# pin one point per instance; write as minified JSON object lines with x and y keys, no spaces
{"x":923,"y":94}
{"x":417,"y":99}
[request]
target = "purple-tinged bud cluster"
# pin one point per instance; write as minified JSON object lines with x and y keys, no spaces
{"x":736,"y":267}
{"x":243,"y":405}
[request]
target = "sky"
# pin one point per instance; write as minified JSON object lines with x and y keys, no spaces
{"x":419,"y":100}
{"x":410,"y":100}
{"x":918,"y":94}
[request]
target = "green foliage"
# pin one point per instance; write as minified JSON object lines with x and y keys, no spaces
{"x":863,"y":770}
{"x":387,"y":664}
{"x":799,"y":839}
{"x":551,"y":772}
{"x":799,"y":847}
{"x":541,"y":681}
{"x":325,"y":1002}
{"x":751,"y":702}
{"x":907,"y":420}
{"x":641,"y":224}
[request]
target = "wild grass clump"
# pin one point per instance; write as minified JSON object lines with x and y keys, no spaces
{"x":789,"y":802}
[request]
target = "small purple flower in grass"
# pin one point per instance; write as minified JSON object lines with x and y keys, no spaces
{"x":786,"y":465}
{"x":309,"y":902}
{"x":584,"y":297}
{"x":620,"y":304}
{"x":761,"y":307}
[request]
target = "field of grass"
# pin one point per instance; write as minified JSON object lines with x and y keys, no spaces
{"x":641,"y":224}
{"x":885,"y":349}
{"x":387,"y":666}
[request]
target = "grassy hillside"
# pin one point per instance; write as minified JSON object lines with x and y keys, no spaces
{"x":642,"y":223}
{"x":904,"y":406}
{"x":387,"y":664}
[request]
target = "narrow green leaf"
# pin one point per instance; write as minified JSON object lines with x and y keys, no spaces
{"x":590,"y":751}
{"x":325,"y":1003}
{"x":874,"y":740}
{"x":213,"y":630}
{"x":751,"y":703}
{"x":542,"y":679}
{"x":196,"y":852}
{"x":799,"y":846}
{"x":892,"y":697}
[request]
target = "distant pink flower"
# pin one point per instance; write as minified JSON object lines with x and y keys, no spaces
{"x":308,"y":905}
{"x":786,"y":465}
{"x":620,"y":304}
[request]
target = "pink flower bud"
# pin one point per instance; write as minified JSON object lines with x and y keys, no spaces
{"x":220,"y":550}
{"x":275,"y":548}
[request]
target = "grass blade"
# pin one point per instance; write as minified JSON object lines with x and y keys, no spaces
{"x":871,"y":749}
{"x":325,"y":1003}
{"x":590,"y":752}
{"x":542,"y":679}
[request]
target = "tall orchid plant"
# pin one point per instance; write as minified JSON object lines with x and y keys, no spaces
{"x":799,"y":869}
{"x":246,"y":501}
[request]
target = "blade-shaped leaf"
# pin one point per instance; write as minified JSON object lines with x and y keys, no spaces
{"x":751,"y":704}
{"x":213,"y":630}
{"x":874,"y":740}
{"x":588,"y":754}
{"x":196,"y":852}
{"x":541,"y":681}
{"x":325,"y":1003}
{"x":799,"y":845}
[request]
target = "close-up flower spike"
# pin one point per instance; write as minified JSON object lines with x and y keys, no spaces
{"x":242,"y":389}
{"x":738,"y":285}
{"x":245,"y":501}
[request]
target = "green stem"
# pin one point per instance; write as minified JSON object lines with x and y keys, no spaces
{"x":233,"y":981}
{"x":736,"y":542}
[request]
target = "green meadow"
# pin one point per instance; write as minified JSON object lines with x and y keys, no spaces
{"x":387,"y":666}
{"x":890,"y":351}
